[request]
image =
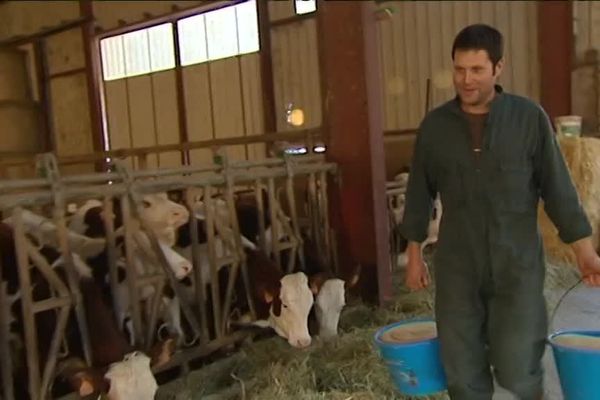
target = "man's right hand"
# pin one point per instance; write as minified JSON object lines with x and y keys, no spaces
{"x":417,"y":274}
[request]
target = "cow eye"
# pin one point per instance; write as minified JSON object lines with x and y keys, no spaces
{"x":146,"y":204}
{"x":284,"y":305}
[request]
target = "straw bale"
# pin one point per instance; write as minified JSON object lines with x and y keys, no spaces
{"x":582,"y":156}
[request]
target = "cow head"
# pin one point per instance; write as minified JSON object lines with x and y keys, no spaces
{"x":131,"y":379}
{"x":330,"y":299}
{"x":289,"y":309}
{"x":163,"y":216}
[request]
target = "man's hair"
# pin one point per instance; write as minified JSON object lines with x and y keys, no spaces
{"x":480,"y":37}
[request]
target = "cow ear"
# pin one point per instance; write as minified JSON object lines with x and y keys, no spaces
{"x":315,"y":282}
{"x":86,"y":386}
{"x":353,"y":280}
{"x":268,"y":296}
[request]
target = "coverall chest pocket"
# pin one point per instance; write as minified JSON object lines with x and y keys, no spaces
{"x":514,"y":188}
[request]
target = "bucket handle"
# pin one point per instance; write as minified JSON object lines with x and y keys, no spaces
{"x":558,"y":304}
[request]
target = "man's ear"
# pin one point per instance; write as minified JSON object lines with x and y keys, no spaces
{"x":499,"y":67}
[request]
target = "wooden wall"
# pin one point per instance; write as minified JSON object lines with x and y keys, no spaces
{"x":416,"y":42}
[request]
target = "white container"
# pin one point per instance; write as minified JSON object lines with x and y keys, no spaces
{"x":568,"y":125}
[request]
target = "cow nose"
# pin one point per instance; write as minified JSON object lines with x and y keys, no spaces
{"x":304,"y":342}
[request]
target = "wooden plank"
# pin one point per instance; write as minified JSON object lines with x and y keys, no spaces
{"x":520,"y":39}
{"x":167,"y":115}
{"x":474,"y":12}
{"x":141,"y":112}
{"x":251,"y":75}
{"x":65,"y":51}
{"x":313,"y":80}
{"x":388,"y":60}
{"x":436,"y":57}
{"x":448,"y":33}
{"x":197,"y":98}
{"x":225,"y":97}
{"x":461,"y":17}
{"x":414,"y":95}
{"x":423,"y":61}
{"x":503,"y":25}
{"x":533,"y":51}
{"x":71,"y":115}
{"x":117,"y":110}
{"x":281,"y":9}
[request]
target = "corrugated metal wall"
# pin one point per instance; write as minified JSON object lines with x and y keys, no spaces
{"x":416,"y":42}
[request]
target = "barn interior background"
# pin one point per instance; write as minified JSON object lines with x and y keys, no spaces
{"x":313,"y":104}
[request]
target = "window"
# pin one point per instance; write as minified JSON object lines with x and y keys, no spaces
{"x":305,"y":6}
{"x":219,"y":34}
{"x":139,"y":52}
{"x":209,"y":36}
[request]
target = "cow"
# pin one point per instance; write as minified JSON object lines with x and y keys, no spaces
{"x":282,"y":301}
{"x":108,"y":345}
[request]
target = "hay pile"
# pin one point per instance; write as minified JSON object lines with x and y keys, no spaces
{"x":582,"y":155}
{"x":347,"y":368}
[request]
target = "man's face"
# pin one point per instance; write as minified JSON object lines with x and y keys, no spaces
{"x":475,"y":76}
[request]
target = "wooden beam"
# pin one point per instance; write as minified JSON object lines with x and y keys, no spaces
{"x":41,"y":71}
{"x":353,"y":124}
{"x":556,"y":44}
{"x":181,"y":106}
{"x":91,"y":48}
{"x":43,"y":33}
{"x":292,"y":19}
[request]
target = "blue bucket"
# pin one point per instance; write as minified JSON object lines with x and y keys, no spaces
{"x":578,"y":367}
{"x":415,"y":366}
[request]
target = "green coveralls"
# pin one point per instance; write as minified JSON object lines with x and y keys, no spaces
{"x":489,"y":263}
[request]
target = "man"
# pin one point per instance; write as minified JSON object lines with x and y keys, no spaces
{"x":491,"y":156}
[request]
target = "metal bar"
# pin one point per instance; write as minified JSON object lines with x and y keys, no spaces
{"x":25,"y":157}
{"x":323,"y":210}
{"x":46,"y":270}
{"x":258,"y":191}
{"x":212,"y":257}
{"x":111,"y":249}
{"x":134,"y":295}
{"x":50,"y":304}
{"x":180,"y":358}
{"x":29,"y":325}
{"x":294,"y":215}
{"x":200,"y":286}
{"x":153,"y":318}
{"x":274,"y":222}
{"x":5,"y":361}
{"x":61,"y":324}
{"x":43,"y":197}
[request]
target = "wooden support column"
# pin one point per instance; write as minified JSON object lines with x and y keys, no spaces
{"x":353,"y":125}
{"x":91,"y":48}
{"x":555,"y":37}
{"x":266,"y":68}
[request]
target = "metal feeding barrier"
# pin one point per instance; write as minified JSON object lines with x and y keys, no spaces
{"x":50,"y":196}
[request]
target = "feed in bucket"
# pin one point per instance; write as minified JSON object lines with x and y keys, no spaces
{"x":411,"y":351}
{"x":568,"y":125}
{"x":577,"y":358}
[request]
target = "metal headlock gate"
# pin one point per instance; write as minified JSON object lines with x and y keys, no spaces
{"x":51,"y":194}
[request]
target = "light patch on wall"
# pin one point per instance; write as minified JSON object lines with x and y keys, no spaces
{"x":396,"y":86}
{"x":442,"y":79}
